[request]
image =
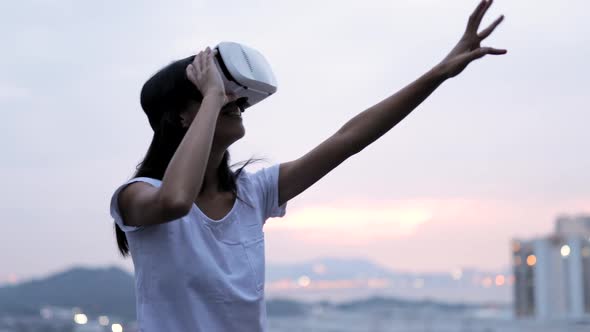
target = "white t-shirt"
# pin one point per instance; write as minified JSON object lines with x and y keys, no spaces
{"x":196,"y":274}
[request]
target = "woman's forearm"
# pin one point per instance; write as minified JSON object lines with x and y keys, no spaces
{"x":374,"y":122}
{"x":371,"y":124}
{"x":185,"y":172}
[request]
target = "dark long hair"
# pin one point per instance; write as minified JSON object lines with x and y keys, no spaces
{"x":163,"y":97}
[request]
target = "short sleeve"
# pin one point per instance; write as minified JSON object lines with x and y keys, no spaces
{"x":116,"y":213}
{"x":266,"y":181}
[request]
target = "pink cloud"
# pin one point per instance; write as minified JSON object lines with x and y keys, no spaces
{"x":418,"y":234}
{"x":354,"y":223}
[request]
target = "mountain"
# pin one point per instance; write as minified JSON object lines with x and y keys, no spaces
{"x":344,"y":279}
{"x":100,"y":291}
{"x":328,"y":269}
{"x":111,"y":291}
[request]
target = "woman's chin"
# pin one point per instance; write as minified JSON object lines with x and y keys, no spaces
{"x":228,"y":136}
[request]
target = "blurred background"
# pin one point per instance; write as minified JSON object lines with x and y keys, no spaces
{"x":471,"y":214}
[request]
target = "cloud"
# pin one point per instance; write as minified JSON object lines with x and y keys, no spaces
{"x":355,"y":222}
{"x":420,"y":234}
{"x":10,"y":92}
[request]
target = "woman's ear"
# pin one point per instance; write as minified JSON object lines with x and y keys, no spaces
{"x":184,"y":121}
{"x":187,"y":116}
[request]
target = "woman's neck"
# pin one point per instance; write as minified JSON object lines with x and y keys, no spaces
{"x":211,"y":180}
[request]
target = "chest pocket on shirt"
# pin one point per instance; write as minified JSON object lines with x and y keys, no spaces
{"x":253,"y":243}
{"x":255,"y":254}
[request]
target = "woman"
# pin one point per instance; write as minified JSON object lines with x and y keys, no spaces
{"x":194,"y":227}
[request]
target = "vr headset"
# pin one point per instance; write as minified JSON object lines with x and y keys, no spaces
{"x":245,"y":73}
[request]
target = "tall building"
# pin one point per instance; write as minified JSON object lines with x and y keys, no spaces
{"x":552,"y":273}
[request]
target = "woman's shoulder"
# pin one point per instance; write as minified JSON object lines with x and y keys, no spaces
{"x":261,"y":177}
{"x":244,"y":177}
{"x":153,"y":181}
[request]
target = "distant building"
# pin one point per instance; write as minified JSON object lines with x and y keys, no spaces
{"x":552,"y":273}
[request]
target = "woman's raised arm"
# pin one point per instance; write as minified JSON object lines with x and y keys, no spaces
{"x":362,"y":130}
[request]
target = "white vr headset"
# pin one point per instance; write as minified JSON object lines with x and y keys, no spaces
{"x":245,"y":73}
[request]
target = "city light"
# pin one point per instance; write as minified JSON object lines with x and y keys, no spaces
{"x":487,"y":282}
{"x":80,"y":319}
{"x":304,"y":281}
{"x":457,"y":274}
{"x":531,"y":260}
{"x":500,"y":280}
{"x":103,"y":320}
{"x":516,"y":246}
{"x":565,"y":250}
{"x":116,"y":328}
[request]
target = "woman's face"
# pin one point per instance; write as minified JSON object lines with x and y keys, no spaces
{"x":229,"y":127}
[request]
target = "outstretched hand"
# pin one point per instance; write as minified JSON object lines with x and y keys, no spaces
{"x":469,"y":47}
